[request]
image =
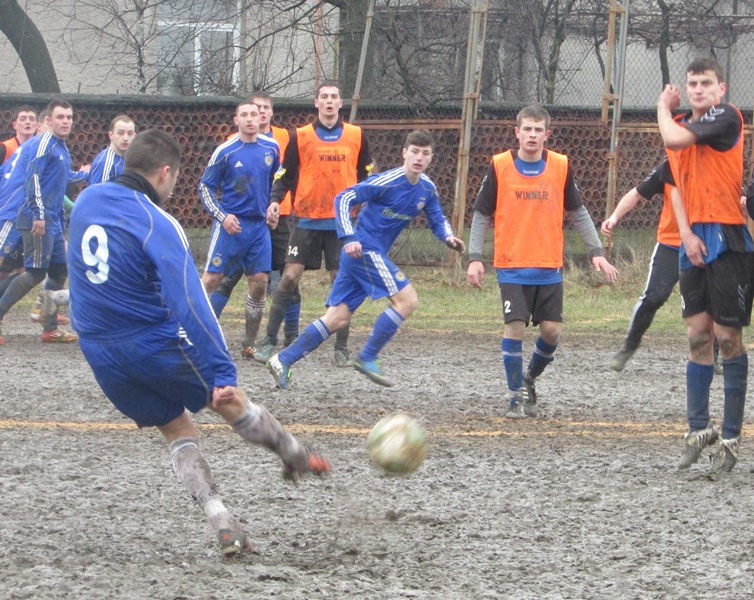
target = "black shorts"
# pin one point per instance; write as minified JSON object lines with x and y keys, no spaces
{"x":306,"y":247}
{"x":723,"y":288}
{"x":280,"y":237}
{"x":536,"y":302}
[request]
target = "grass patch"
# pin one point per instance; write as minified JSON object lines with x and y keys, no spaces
{"x":448,"y":304}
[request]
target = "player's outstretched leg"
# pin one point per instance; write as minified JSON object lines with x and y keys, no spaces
{"x":257,"y":426}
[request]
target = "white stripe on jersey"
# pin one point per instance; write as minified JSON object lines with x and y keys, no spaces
{"x":109,"y":162}
{"x":383,"y":179}
{"x":41,"y":149}
{"x":345,"y":211}
{"x":383,"y":272}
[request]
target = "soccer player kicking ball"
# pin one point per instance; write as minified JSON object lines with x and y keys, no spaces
{"x":391,"y":201}
{"x":133,"y":287}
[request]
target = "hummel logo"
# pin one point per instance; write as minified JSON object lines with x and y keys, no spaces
{"x":238,"y":164}
{"x":712,"y":114}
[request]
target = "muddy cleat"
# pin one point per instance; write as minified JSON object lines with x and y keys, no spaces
{"x":316,"y":464}
{"x":289,"y":339}
{"x":247,"y":352}
{"x":371,"y":368}
{"x":57,"y":336}
{"x":281,"y":372}
{"x":618,"y":362}
{"x":516,"y":410}
{"x":531,"y":409}
{"x":264,"y":351}
{"x":726,"y":456}
{"x":342,"y":357}
{"x":695,"y":443}
{"x":232,"y":543}
{"x":36,"y":316}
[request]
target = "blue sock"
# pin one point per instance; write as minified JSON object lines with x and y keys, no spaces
{"x":310,"y":339}
{"x":218,"y":302}
{"x":542,"y":356}
{"x":385,"y":326}
{"x":735,"y":372}
{"x":513,"y":361}
{"x":292,"y":318}
{"x":698,"y":381}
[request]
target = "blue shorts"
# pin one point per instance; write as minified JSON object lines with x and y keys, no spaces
{"x":250,"y":249}
{"x":151,"y":378}
{"x":40,"y":252}
{"x":10,"y":239}
{"x":373,"y":276}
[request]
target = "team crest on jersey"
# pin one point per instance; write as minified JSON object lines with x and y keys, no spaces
{"x":268,"y":160}
{"x":400,"y":276}
{"x":217,"y":261}
{"x":422,"y":202}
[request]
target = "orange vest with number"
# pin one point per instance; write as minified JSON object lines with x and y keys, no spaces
{"x":529,"y":213}
{"x":325,"y":170}
{"x":710,"y":180}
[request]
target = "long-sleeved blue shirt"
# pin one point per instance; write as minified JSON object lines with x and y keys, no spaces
{"x":238,"y":178}
{"x":48,"y":172}
{"x":391,"y":203}
{"x":131,"y":271}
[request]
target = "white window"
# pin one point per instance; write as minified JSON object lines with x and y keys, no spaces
{"x":198,"y":46}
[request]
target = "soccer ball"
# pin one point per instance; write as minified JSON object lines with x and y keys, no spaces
{"x":397,"y":444}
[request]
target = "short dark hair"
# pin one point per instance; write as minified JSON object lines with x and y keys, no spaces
{"x":242,"y":103}
{"x":535,"y":112}
{"x":329,"y":83}
{"x":151,"y":150}
{"x":25,"y":108}
{"x":419,"y":137}
{"x":43,"y":114}
{"x":124,"y":118}
{"x":706,"y":63}
{"x":58,"y":103}
{"x":260,"y":94}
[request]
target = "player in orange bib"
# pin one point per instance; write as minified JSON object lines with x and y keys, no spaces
{"x":527,"y":192}
{"x":705,"y":151}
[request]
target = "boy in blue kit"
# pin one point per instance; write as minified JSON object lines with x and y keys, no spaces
{"x":241,"y":171}
{"x":108,"y":164}
{"x":46,"y":173}
{"x":134,"y":290}
{"x":391,"y":201}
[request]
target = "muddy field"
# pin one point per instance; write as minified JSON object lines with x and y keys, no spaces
{"x":584,"y":502}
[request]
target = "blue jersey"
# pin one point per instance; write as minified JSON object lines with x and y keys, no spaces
{"x":12,"y":188}
{"x":132,"y":274}
{"x":242,"y":173}
{"x":47,"y":174}
{"x":106,"y":166}
{"x":392,"y":202}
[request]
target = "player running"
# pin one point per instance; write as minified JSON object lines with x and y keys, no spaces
{"x":391,"y":201}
